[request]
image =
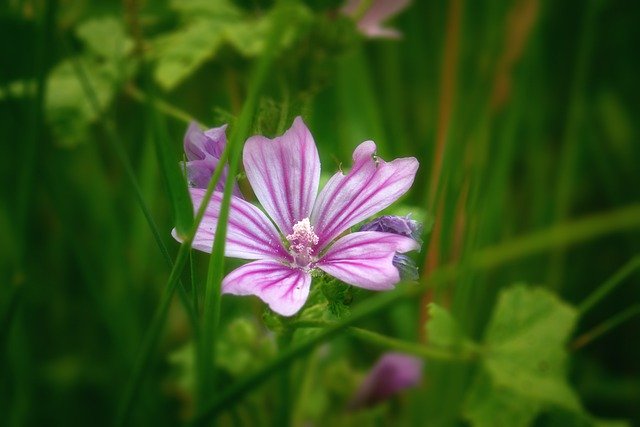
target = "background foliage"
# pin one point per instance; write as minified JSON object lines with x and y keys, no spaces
{"x":521,"y":113}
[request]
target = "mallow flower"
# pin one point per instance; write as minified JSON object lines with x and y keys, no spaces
{"x":370,"y":21}
{"x":404,"y":226}
{"x":203,"y":150}
{"x":393,"y":373}
{"x":304,"y":231}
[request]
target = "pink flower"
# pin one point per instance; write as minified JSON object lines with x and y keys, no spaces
{"x":370,"y":22}
{"x":393,"y":373}
{"x":284,"y":173}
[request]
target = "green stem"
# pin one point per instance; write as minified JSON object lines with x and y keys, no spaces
{"x":571,"y":138}
{"x":610,"y":284}
{"x":213,"y":294}
{"x":605,"y":327}
{"x":409,"y":347}
{"x":162,"y":106}
{"x":284,"y":407}
{"x":394,"y":343}
{"x":560,"y":235}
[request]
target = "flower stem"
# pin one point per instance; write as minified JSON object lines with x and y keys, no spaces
{"x":610,"y":284}
{"x":390,"y":343}
{"x":605,"y":327}
{"x":211,"y":312}
{"x":415,"y":349}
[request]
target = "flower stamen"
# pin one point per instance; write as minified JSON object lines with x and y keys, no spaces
{"x":302,"y":242}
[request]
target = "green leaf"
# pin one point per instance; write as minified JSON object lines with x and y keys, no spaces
{"x":67,"y":107}
{"x":105,"y":37}
{"x":442,"y":328}
{"x":525,"y":346}
{"x":181,"y":52}
{"x":68,"y":110}
{"x":487,"y":405}
{"x":248,"y":36}
{"x":210,"y":25}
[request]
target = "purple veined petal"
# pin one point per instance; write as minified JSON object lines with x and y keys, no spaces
{"x":365,"y":259}
{"x":393,"y":373}
{"x":370,"y":186}
{"x":284,"y":173}
{"x":250,"y":234}
{"x":199,"y":144}
{"x":371,"y":23}
{"x":216,"y":140}
{"x":285,"y":289}
{"x":199,"y":173}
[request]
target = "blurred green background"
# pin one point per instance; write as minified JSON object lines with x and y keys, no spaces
{"x":522,"y":113}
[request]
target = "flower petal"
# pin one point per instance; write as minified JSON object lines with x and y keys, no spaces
{"x":365,"y":259}
{"x":199,"y":144}
{"x":250,"y":234}
{"x":370,"y":186}
{"x":371,"y":24}
{"x":284,"y":173}
{"x":285,"y":289}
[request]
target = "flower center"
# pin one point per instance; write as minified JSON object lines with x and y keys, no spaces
{"x":302,"y":242}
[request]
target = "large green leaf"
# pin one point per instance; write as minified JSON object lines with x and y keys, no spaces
{"x":525,"y":345}
{"x":488,"y":405}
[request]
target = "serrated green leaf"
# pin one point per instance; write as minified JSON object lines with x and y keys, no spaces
{"x":105,"y":37}
{"x":248,"y":36}
{"x":181,"y":52}
{"x":525,"y":345}
{"x":442,"y":328}
{"x":487,"y":406}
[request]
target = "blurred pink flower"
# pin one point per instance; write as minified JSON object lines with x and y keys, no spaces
{"x":371,"y":21}
{"x":285,"y":173}
{"x":393,"y":373}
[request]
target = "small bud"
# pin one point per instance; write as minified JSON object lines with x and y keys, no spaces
{"x":393,"y":373}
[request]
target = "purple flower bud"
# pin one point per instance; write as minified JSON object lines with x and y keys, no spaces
{"x":203,"y":150}
{"x":402,"y":225}
{"x":393,"y":373}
